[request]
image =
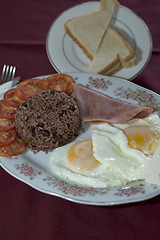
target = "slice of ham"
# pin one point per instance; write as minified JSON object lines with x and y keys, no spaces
{"x":95,"y":107}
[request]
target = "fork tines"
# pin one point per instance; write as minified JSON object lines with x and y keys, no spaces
{"x":8,"y":73}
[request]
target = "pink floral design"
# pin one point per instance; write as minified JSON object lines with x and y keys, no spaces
{"x":144,"y":96}
{"x":140,"y":96}
{"x":130,"y":191}
{"x":13,"y":157}
{"x":154,"y":186}
{"x":27,"y":170}
{"x":67,"y":188}
{"x":132,"y":96}
{"x":99,"y":83}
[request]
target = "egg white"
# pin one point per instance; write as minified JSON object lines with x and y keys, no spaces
{"x":120,"y":164}
{"x":110,"y":146}
{"x":100,"y":176}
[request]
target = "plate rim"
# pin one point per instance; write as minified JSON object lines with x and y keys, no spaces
{"x":73,"y":198}
{"x":84,"y":202}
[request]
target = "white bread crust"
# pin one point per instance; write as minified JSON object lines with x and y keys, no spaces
{"x":103,"y":45}
{"x":88,"y":30}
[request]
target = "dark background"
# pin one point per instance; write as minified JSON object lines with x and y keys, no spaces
{"x":26,"y":213}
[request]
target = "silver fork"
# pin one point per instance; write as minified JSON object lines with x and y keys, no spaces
{"x":8,"y":73}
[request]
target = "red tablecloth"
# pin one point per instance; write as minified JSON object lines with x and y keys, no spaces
{"x":26,"y":213}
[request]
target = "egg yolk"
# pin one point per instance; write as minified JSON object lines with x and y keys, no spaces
{"x":80,"y":156}
{"x":142,"y":138}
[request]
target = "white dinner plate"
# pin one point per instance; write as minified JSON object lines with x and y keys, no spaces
{"x":65,"y":55}
{"x":34,"y":169}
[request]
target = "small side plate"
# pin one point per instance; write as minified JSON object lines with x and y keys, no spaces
{"x":65,"y":55}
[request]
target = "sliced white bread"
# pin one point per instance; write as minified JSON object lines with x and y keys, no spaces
{"x":104,"y":5}
{"x":88,"y":30}
{"x":113,"y":53}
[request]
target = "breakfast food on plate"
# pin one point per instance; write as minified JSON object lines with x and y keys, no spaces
{"x":106,"y":47}
{"x":130,"y":145}
{"x":110,"y":154}
{"x":113,"y":53}
{"x":47,"y":120}
{"x":60,"y":82}
{"x":119,"y":146}
{"x":87,"y":30}
{"x":96,"y":107}
{"x":10,"y":143}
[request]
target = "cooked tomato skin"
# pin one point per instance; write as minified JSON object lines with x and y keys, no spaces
{"x":6,"y":111}
{"x":29,"y":87}
{"x":11,"y":98}
{"x":10,"y":144}
{"x":18,"y":146}
{"x":6,"y":151}
{"x":7,"y":137}
{"x":6,"y":124}
{"x":59,"y":82}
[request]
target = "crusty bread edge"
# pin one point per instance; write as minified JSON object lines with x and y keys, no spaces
{"x":85,"y":50}
{"x":102,"y":5}
{"x":77,"y":41}
{"x":117,"y":66}
{"x":120,"y":61}
{"x":110,"y":69}
{"x":129,"y":60}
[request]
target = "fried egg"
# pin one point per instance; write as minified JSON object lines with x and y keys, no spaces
{"x":109,"y":155}
{"x":75,"y":163}
{"x":127,"y":147}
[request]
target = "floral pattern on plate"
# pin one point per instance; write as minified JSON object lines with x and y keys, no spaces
{"x":28,"y":171}
{"x":140,"y":96}
{"x":34,"y":170}
{"x":131,"y":190}
{"x":68,"y":188}
{"x":99,"y":83}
